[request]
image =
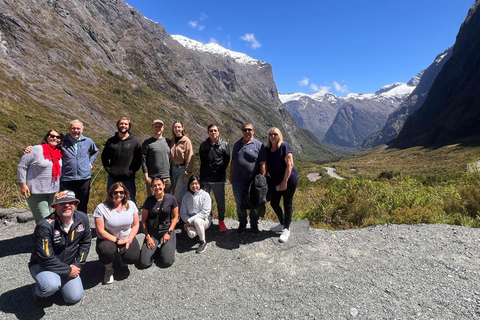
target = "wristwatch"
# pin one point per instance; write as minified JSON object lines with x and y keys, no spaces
{"x":170,"y":231}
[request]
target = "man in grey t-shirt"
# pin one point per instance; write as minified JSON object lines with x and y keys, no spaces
{"x":156,"y":157}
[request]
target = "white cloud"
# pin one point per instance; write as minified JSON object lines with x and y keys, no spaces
{"x":324,"y":89}
{"x":304,"y":82}
{"x":212,"y":40}
{"x":200,"y":28}
{"x":250,"y":38}
{"x":340,"y":88}
{"x":193,"y":24}
{"x":317,"y":88}
{"x":203,"y":16}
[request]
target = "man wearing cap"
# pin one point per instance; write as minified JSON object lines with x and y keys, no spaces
{"x":61,"y":244}
{"x":121,"y":157}
{"x":156,"y":158}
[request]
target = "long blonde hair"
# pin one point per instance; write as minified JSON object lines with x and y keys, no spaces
{"x":280,"y":137}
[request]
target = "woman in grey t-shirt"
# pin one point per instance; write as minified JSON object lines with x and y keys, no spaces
{"x":117,"y":223}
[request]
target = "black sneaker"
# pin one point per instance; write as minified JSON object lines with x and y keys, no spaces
{"x":255,"y":231}
{"x":201,"y":247}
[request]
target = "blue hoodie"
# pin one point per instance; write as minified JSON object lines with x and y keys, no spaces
{"x":77,"y":157}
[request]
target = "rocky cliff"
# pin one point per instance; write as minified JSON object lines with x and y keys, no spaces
{"x":397,"y":118}
{"x":99,"y":60}
{"x":451,"y":112}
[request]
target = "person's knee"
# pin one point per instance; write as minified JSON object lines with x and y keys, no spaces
{"x":167,"y":262}
{"x":72,"y":299}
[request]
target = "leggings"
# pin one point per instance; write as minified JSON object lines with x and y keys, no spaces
{"x":106,"y":251}
{"x":198,"y":228}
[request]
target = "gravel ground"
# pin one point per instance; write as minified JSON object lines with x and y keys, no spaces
{"x":382,"y":272}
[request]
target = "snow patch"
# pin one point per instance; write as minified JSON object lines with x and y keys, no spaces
{"x":215,"y":48}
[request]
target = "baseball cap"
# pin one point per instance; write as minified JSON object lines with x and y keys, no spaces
{"x":157,"y":121}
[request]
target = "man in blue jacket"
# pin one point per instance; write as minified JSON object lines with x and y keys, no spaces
{"x":78,"y":155}
{"x":61,"y":244}
{"x":121,"y":157}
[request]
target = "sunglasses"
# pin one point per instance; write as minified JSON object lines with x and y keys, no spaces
{"x":273,"y":134}
{"x":71,"y":203}
{"x":52,"y":136}
{"x":118,"y":192}
{"x":247,"y":129}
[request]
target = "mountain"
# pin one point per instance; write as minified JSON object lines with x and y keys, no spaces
{"x":314,"y":112}
{"x":345,"y":122}
{"x":100,"y":60}
{"x":398,"y":117}
{"x":451,"y":111}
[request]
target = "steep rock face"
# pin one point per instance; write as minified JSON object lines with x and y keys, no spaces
{"x":398,"y":117}
{"x":99,"y":60}
{"x":313,"y":112}
{"x":452,"y":109}
{"x":363,"y":114}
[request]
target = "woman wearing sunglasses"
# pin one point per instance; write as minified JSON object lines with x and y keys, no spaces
{"x":38,"y":174}
{"x":117,"y":223}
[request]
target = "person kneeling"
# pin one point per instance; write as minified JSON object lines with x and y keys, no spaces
{"x":117,"y":225}
{"x":195,"y":211}
{"x":61,"y":243}
{"x":159,"y":217}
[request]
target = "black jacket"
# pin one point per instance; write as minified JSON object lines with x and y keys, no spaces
{"x":214,"y":160}
{"x":56,"y":250}
{"x":122,"y":158}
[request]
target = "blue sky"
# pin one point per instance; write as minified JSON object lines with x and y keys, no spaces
{"x":321,"y":45}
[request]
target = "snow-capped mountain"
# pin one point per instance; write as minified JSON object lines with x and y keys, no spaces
{"x":345,"y":122}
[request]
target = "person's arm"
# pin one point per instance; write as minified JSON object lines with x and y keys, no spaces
{"x":166,"y":236}
{"x":137,"y":159}
{"x":263,"y":168}
{"x":134,"y":230}
{"x":22,"y":168}
{"x":288,"y":171}
{"x":226,"y":156}
{"x":83,"y":246}
{"x":93,"y":153}
{"x":231,"y":171}
{"x":143,"y":159}
{"x":100,"y":227}
{"x":188,"y":160}
{"x":148,"y":238}
{"x":105,"y":156}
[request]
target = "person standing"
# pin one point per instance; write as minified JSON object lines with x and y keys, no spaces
{"x":181,"y":156}
{"x":79,"y":154}
{"x":156,"y":158}
{"x":248,"y":159}
{"x":214,"y":158}
{"x":284,"y":177}
{"x":38,"y":174}
{"x":121,"y":157}
{"x":61,"y":244}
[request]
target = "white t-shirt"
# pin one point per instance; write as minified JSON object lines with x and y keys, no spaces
{"x":117,"y":223}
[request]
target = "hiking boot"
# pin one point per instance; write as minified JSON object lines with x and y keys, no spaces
{"x":277,"y":228}
{"x":222,"y":226}
{"x":108,"y":276}
{"x":201,"y":247}
{"x":284,"y":236}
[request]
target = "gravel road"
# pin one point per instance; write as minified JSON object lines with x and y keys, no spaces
{"x":382,"y":272}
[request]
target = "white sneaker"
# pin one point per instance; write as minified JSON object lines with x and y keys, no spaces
{"x":108,"y":276}
{"x":277,"y":228}
{"x":284,"y":236}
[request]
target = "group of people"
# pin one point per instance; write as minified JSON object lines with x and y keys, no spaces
{"x":62,"y":237}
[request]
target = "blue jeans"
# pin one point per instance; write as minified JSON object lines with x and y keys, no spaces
{"x":49,"y":282}
{"x":239,"y":192}
{"x":129,"y":184}
{"x":179,"y":188}
{"x":219,"y":193}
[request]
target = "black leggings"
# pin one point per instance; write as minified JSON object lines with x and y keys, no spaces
{"x":287,"y":194}
{"x":106,"y":251}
